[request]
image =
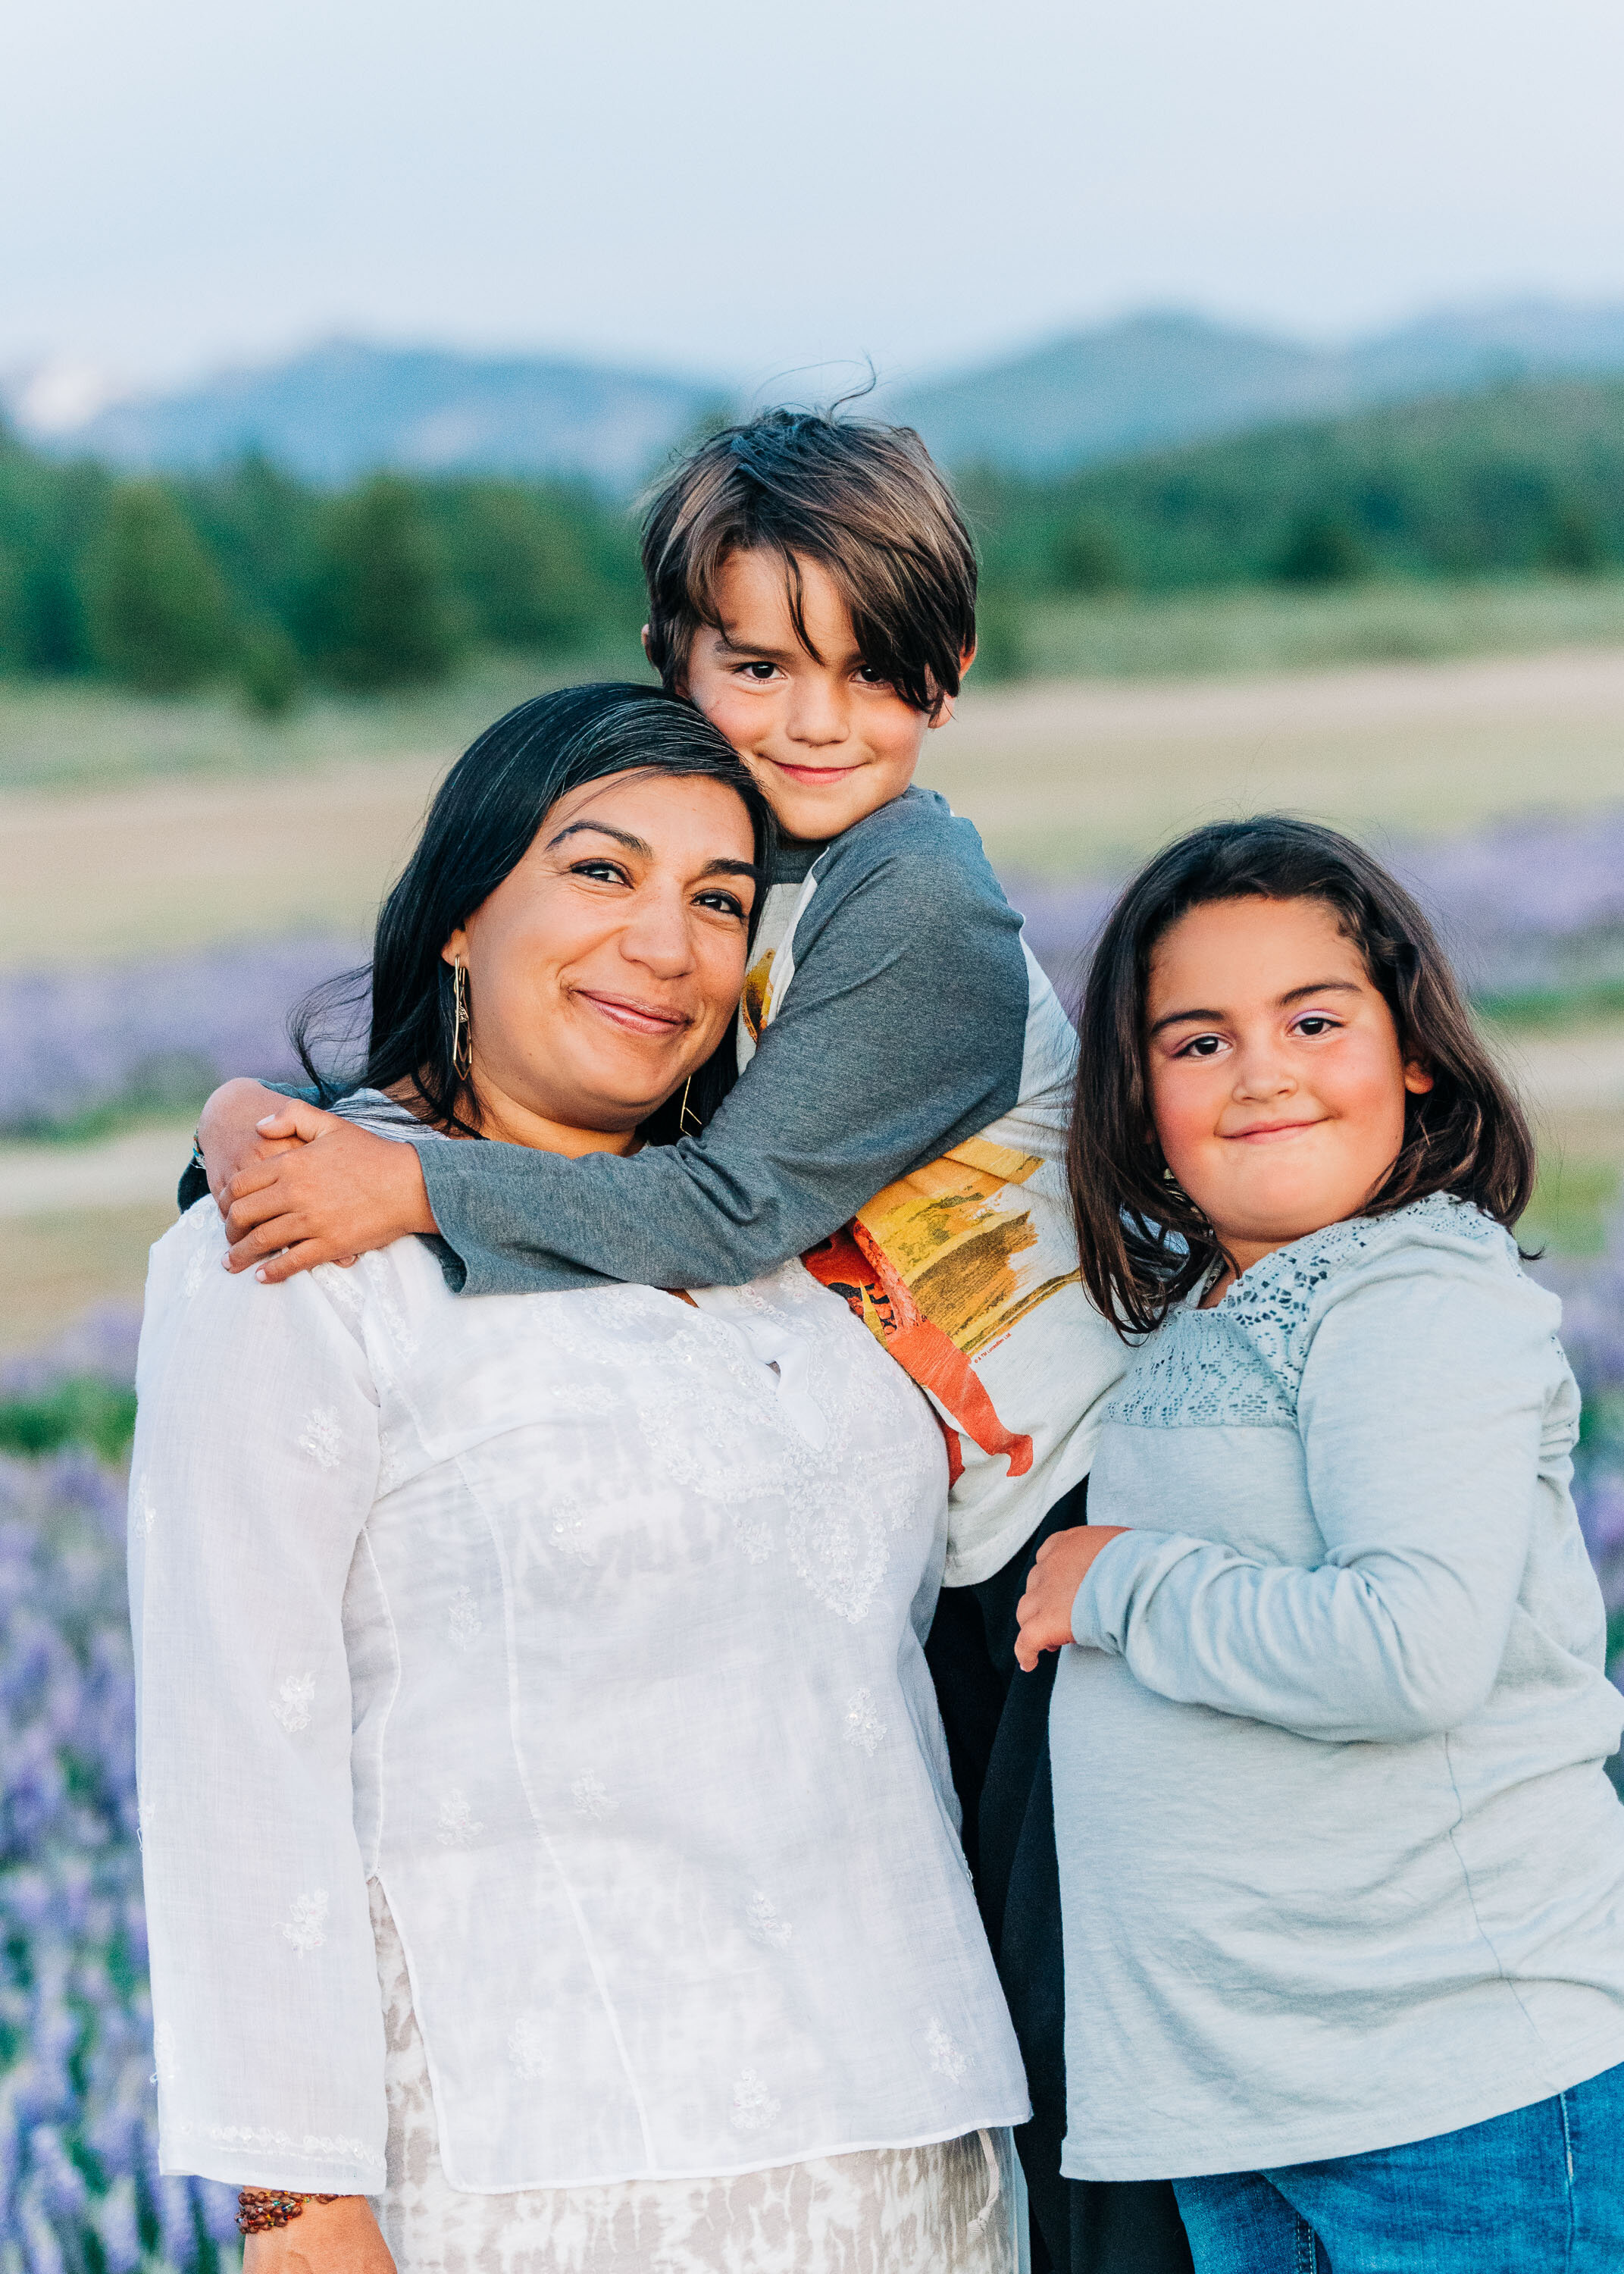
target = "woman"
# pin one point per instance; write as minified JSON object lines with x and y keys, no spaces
{"x":546,"y":1817}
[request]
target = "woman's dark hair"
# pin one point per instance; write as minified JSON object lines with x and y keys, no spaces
{"x":1144,"y":1243}
{"x":484,"y":820}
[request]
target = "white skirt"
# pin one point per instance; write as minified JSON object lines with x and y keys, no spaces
{"x":947,"y":2208}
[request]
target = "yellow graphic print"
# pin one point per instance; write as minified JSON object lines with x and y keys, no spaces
{"x":951,"y":1237}
{"x":757,"y":996}
{"x":938,"y":1267}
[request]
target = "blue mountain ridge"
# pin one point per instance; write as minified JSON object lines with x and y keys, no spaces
{"x":340,"y":409}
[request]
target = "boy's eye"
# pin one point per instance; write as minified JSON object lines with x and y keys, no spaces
{"x":759,"y":671}
{"x":870,"y":677}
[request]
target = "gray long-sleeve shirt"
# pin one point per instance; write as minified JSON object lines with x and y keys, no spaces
{"x":1340,"y":1867}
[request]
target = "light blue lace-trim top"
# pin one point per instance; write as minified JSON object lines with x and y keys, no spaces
{"x":1241,"y":1362}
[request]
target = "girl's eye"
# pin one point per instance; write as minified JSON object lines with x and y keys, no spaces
{"x":1201,"y":1046}
{"x":1316,"y":1022}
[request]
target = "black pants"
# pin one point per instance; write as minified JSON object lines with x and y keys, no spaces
{"x":996,"y":1720}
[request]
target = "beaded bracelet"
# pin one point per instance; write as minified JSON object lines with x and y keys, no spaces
{"x":259,"y":2209}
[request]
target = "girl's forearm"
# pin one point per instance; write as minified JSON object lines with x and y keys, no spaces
{"x":1388,"y":1647}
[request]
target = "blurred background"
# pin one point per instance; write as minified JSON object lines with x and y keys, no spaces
{"x":1278,"y":354}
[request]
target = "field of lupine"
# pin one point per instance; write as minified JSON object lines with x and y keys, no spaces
{"x":1537,"y":918}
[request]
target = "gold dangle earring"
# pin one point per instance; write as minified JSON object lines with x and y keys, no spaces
{"x":462,"y":1033}
{"x":689,"y":1124}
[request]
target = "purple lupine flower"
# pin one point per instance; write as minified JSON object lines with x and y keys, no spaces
{"x":77,"y":2114}
{"x":74,"y":1041}
{"x":1531,"y":904}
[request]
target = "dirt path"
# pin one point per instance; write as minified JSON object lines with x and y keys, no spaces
{"x":1078,"y":777}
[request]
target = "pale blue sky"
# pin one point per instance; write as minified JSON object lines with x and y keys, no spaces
{"x":742,"y":187}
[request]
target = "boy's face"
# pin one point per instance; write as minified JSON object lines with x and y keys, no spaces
{"x":826,"y":740}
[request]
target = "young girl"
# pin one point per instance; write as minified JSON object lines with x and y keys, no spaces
{"x":1343,"y":1876}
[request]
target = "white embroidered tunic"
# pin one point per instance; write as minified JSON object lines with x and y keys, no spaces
{"x":588,"y":1624}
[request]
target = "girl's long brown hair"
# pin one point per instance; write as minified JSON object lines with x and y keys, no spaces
{"x":1144,"y":1243}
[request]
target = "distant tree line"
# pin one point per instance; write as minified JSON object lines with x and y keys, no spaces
{"x":248,"y":576}
{"x":1515,"y":481}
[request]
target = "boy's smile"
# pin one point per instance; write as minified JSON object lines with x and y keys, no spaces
{"x":827,"y":742}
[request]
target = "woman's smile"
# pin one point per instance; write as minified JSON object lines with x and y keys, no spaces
{"x":637,"y":1018}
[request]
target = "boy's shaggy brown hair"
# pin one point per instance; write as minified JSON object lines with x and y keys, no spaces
{"x":865,"y":502}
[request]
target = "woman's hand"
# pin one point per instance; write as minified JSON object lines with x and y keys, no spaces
{"x":338,"y":1194}
{"x":333,"y":2238}
{"x":1058,"y":1570}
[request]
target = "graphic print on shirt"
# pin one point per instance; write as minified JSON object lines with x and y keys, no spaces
{"x":934,"y":1269}
{"x":966,"y":1270}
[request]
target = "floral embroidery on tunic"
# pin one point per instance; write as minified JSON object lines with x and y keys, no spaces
{"x":206,"y":1241}
{"x":590,"y":1797}
{"x":165,"y":2067}
{"x":456,"y":1827}
{"x":754,"y":2106}
{"x":863,"y":1725}
{"x":315,"y":2147}
{"x":321,"y":1437}
{"x":307,"y":1929}
{"x":945,"y":2057}
{"x":143,"y":1507}
{"x":526,"y":2046}
{"x":463,"y":1623}
{"x":766,"y":1923}
{"x":294,"y":1701}
{"x":569,"y":1532}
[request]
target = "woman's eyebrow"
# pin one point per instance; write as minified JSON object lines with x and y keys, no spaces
{"x":621,"y":836}
{"x":731,"y":869}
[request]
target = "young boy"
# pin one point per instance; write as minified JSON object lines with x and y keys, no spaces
{"x":898,"y":1122}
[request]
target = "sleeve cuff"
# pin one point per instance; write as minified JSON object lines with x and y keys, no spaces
{"x":1099,"y":1610}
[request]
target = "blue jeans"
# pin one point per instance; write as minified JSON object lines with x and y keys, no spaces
{"x":1540,"y":2191}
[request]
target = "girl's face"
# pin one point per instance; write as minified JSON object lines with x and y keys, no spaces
{"x":1277,"y":1086}
{"x":604,"y":968}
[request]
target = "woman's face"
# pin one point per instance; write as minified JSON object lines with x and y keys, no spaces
{"x":603,"y":970}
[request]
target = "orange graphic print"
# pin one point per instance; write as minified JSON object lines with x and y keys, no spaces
{"x":932,"y":1267}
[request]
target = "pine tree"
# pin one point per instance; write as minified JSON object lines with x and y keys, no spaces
{"x":378,"y":613}
{"x":159,"y":615}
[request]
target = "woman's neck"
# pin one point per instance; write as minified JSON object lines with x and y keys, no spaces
{"x":506,"y":1122}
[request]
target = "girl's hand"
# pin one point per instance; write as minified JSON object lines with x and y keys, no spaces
{"x":339,"y":1194}
{"x":1058,"y":1570}
{"x":335,"y":2238}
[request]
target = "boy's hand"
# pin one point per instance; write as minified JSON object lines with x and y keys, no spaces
{"x":1058,"y":1570}
{"x":230,"y":1132}
{"x":340,"y":1194}
{"x":335,"y":2238}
